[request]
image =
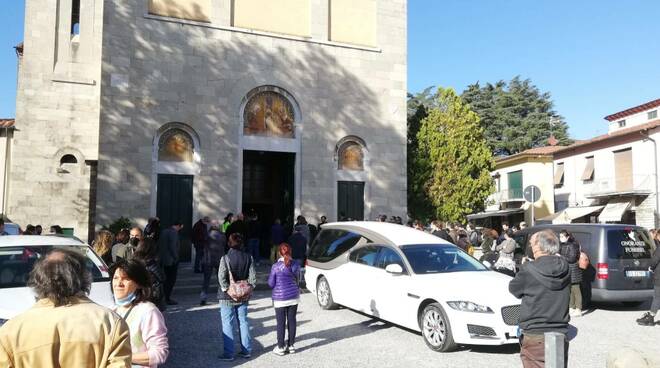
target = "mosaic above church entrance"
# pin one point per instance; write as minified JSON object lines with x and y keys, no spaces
{"x":268,"y":113}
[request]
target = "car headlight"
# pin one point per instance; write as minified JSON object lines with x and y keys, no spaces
{"x":465,"y":306}
{"x":3,"y":321}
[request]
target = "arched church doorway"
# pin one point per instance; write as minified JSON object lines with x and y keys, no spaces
{"x":270,"y":158}
{"x":176,"y":162}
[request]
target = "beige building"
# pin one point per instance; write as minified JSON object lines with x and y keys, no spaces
{"x":183,"y":108}
{"x":511,"y":176}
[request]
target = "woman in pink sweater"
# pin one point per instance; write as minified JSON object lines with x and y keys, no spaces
{"x":131,"y":288}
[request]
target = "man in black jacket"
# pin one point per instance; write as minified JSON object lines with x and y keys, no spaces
{"x":543,"y":286}
{"x":648,"y":319}
{"x":200,"y":235}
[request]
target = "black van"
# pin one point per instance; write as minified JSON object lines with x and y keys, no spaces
{"x":619,"y":257}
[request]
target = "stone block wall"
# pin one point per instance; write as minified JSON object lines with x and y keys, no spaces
{"x":57,"y":113}
{"x":158,"y":70}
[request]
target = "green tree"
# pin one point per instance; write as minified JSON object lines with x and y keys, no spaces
{"x":515,"y":116}
{"x":453,"y":161}
{"x":419,"y":203}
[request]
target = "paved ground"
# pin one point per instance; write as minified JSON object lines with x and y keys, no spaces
{"x":343,"y":338}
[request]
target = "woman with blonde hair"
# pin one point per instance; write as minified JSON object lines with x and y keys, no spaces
{"x":103,"y":245}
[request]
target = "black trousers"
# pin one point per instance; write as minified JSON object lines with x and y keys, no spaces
{"x":199,"y":253}
{"x":170,"y":279}
{"x":286,"y":317}
{"x":655,"y":305}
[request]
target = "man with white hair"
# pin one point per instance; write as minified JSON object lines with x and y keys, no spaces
{"x":543,"y":286}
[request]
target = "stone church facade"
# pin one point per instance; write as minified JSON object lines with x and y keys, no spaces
{"x":184,"y":108}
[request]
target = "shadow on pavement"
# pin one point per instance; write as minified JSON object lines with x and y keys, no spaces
{"x":624,"y":307}
{"x":328,"y":336}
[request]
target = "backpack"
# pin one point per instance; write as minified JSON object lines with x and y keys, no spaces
{"x":474,"y":237}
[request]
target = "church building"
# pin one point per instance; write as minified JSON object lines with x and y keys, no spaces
{"x":185,"y":108}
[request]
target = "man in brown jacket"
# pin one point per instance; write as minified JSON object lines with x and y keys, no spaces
{"x":64,"y":328}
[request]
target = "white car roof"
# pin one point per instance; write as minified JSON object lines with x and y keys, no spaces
{"x":36,"y":240}
{"x":394,"y":233}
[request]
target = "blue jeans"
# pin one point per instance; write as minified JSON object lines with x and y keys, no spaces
{"x":228,"y":315}
{"x":253,"y":249}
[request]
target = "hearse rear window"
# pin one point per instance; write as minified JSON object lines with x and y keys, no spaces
{"x":331,"y":243}
{"x":629,"y":243}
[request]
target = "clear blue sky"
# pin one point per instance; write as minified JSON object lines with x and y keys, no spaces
{"x":595,"y":57}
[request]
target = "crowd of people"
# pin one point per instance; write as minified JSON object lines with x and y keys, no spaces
{"x":31,"y":229}
{"x":498,"y":249}
{"x":144,"y":265}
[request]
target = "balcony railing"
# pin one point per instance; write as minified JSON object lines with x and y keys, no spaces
{"x":630,"y":184}
{"x":507,"y":195}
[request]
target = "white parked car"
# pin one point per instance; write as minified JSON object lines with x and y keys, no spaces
{"x":18,"y":253}
{"x":412,"y":279}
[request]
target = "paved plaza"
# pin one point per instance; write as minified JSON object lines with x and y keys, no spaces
{"x":344,"y":338}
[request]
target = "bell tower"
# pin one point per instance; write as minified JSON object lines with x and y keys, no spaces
{"x":57,"y":109}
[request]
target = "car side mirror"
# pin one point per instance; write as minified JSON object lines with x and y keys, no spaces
{"x":394,"y":269}
{"x":487,"y":264}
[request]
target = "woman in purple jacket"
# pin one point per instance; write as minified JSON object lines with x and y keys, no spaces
{"x":283,"y":279}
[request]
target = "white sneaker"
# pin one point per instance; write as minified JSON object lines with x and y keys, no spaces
{"x":279,"y":351}
{"x":291,"y":349}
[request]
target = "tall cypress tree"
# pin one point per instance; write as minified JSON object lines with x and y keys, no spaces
{"x":453,"y":161}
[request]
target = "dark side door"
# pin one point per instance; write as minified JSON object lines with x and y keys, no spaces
{"x":175,"y":202}
{"x":350,"y":200}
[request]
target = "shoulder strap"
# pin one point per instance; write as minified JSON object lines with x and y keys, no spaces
{"x":231,"y":278}
{"x":125,"y":316}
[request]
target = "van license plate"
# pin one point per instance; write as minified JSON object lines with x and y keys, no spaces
{"x":637,"y":273}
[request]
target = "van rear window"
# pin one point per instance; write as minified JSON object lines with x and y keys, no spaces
{"x":629,"y":243}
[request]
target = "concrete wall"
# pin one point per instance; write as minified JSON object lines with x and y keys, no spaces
{"x":156,"y":71}
{"x":57,"y":110}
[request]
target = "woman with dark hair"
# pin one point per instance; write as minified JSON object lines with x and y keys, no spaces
{"x":147,"y":252}
{"x":506,"y":250}
{"x":152,"y":230}
{"x":30,"y":230}
{"x":283,"y":279}
{"x":131,"y":287}
{"x":570,"y":250}
{"x":103,"y":245}
{"x":236,"y":267}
